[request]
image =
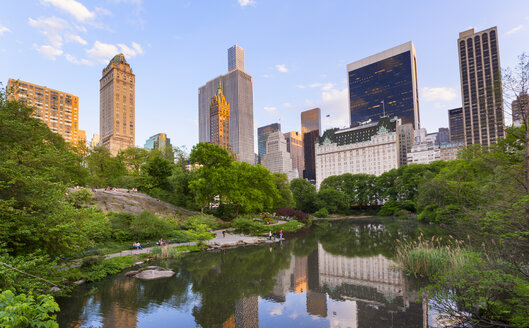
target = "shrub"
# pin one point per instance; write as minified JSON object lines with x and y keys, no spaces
{"x":208,"y":220}
{"x":300,"y":215}
{"x":322,"y":213}
{"x":120,"y":225}
{"x":107,"y":267}
{"x":148,"y":226}
{"x":80,"y":197}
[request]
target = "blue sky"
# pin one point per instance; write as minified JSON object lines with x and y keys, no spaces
{"x":296,"y":51}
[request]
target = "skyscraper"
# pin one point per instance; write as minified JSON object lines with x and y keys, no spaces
{"x":238,"y":90}
{"x":235,"y":58}
{"x":158,"y":141}
{"x":59,"y":110}
{"x":479,"y":63}
{"x":116,"y":94}
{"x":385,"y":84}
{"x":455,"y":122}
{"x":219,"y":120}
{"x":262,"y":135}
{"x":310,"y":128}
{"x":295,"y":148}
{"x":277,"y":158}
{"x":519,"y":106}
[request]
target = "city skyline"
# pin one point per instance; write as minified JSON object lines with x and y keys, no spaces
{"x":49,"y":37}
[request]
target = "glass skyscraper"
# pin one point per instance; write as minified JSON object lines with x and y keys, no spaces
{"x":455,"y":121}
{"x":385,"y":84}
{"x":310,"y":128}
{"x":262,"y":136}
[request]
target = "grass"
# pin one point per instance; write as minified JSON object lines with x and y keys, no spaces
{"x":428,"y":257}
{"x":257,"y":228}
{"x":173,"y":252}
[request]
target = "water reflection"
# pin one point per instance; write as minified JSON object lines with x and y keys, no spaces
{"x":335,"y":275}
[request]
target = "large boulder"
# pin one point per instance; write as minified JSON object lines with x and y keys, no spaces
{"x":153,"y":272}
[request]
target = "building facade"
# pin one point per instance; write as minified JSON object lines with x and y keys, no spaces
{"x":450,"y":150}
{"x":219,"y":121}
{"x":385,"y":84}
{"x":117,"y":105}
{"x":310,"y":129}
{"x":519,"y":106}
{"x":235,"y":58}
{"x":295,"y":148}
{"x":277,"y":158}
{"x":158,"y":141}
{"x":424,"y":153}
{"x":238,"y":90}
{"x":372,"y":148}
{"x":262,"y":136}
{"x":481,"y":91}
{"x":456,"y":126}
{"x":95,"y":140}
{"x":59,"y":110}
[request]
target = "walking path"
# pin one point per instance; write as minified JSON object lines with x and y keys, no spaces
{"x":231,"y":240}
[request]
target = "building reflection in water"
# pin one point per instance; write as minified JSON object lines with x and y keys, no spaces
{"x":351,"y":291}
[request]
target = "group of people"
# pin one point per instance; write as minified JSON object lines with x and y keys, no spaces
{"x":161,"y":242}
{"x":109,"y":188}
{"x":136,"y":245}
{"x":270,"y":235}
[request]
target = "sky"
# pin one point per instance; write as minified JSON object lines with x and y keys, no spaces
{"x":296,"y":51}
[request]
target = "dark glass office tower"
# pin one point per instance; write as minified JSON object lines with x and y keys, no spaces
{"x":455,"y":121}
{"x":262,"y":136}
{"x":481,"y":91}
{"x":310,"y":128}
{"x":385,"y":84}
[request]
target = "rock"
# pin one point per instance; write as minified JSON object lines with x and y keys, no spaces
{"x":151,"y":274}
{"x":131,"y":273}
{"x":54,"y":289}
{"x":138,"y":263}
{"x":79,"y":282}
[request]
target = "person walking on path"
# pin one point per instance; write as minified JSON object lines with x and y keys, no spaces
{"x":224,"y":234}
{"x":281,"y":234}
{"x":270,"y":235}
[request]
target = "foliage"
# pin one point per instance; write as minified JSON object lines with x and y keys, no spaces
{"x":478,"y":294}
{"x":248,"y":226}
{"x":19,"y":311}
{"x":321,"y":213}
{"x":157,"y":170}
{"x":147,"y":225}
{"x":97,"y":269}
{"x":333,"y":200}
{"x":210,"y":221}
{"x":285,"y":198}
{"x":304,"y":194}
{"x":104,"y":169}
{"x":288,"y":212}
{"x":80,"y":197}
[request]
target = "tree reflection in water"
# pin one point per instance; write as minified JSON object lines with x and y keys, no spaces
{"x":339,"y":272}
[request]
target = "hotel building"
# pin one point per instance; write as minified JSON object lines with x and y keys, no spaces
{"x":385,"y":84}
{"x":219,"y":120}
{"x":372,"y":148}
{"x":59,"y":110}
{"x":481,"y":91}
{"x":117,"y":105}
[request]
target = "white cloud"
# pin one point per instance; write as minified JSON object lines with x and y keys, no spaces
{"x":327,"y":86}
{"x":334,"y":103}
{"x":74,"y":8}
{"x":287,"y":105}
{"x":52,"y":28}
{"x":74,"y":60}
{"x":271,"y":109}
{"x":103,"y":11}
{"x":315,"y":85}
{"x":103,"y":52}
{"x":300,"y":86}
{"x":48,"y":51}
{"x":4,"y":29}
{"x":76,"y":38}
{"x":438,"y":94}
{"x":282,"y":68}
{"x":244,"y":3}
{"x":514,"y":30}
{"x":266,"y":76}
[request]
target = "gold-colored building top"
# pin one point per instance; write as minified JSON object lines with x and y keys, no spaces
{"x":220,"y":120}
{"x":117,"y":105}
{"x":59,"y":110}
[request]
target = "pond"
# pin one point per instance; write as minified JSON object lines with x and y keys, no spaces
{"x":335,"y":274}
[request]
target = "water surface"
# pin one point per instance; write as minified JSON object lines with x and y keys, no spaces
{"x":335,"y":274}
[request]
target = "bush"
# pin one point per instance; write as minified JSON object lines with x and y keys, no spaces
{"x":80,"y":197}
{"x":208,"y":220}
{"x":148,"y":226}
{"x":107,"y":267}
{"x":322,"y":213}
{"x":300,"y":215}
{"x":120,"y":225}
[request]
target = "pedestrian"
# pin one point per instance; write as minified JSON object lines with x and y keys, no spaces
{"x":224,"y":234}
{"x":270,"y":235}
{"x":281,"y":234}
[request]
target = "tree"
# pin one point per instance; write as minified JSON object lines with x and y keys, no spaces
{"x":516,"y":87}
{"x":285,"y":198}
{"x":133,"y":158}
{"x":104,"y":169}
{"x":304,"y":194}
{"x":26,"y":311}
{"x":157,"y":169}
{"x":333,"y":200}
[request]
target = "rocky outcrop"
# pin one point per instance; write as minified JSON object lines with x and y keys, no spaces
{"x":151,"y":273}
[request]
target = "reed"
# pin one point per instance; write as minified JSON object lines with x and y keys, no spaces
{"x":426,"y":257}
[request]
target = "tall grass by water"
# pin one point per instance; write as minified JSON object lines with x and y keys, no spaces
{"x":426,"y":257}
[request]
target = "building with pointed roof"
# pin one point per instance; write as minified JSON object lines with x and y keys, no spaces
{"x":219,"y":111}
{"x":117,"y":105}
